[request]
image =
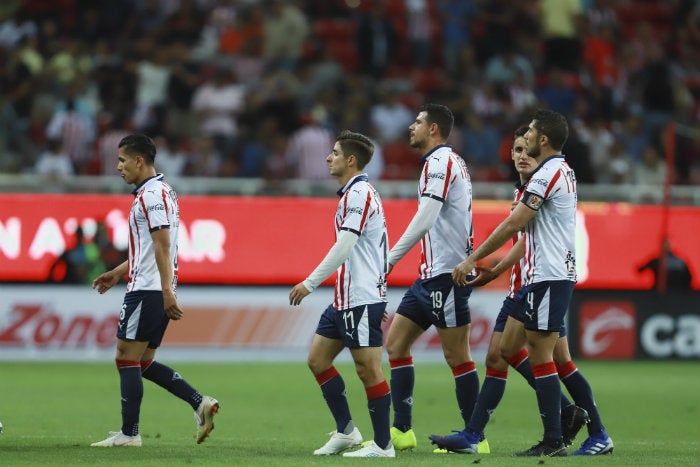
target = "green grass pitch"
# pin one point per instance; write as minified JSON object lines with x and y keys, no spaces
{"x":274,"y":415}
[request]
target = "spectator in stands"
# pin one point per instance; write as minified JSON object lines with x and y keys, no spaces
{"x":389,"y":116}
{"x":377,"y":41}
{"x":285,"y":30}
{"x":217,"y":103}
{"x":561,"y":24}
{"x":306,"y":147}
{"x":678,"y":276}
{"x":53,"y":163}
{"x":456,"y":18}
{"x":75,"y":129}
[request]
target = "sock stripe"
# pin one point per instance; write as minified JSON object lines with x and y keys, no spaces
{"x":400,"y":362}
{"x":463,"y":369}
{"x":567,"y":369}
{"x":127,"y":363}
{"x":544,"y":370}
{"x":377,"y":391}
{"x":329,"y":374}
{"x":145,"y":365}
{"x":518,"y":358}
{"x":498,"y":374}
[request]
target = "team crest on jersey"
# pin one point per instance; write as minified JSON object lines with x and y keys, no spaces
{"x":534,"y":201}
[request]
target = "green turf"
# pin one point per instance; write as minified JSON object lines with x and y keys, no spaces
{"x":274,"y":415}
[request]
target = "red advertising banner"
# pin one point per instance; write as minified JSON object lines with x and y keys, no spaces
{"x":278,"y":241}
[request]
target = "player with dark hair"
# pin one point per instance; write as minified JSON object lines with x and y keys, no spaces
{"x":354,"y":319}
{"x":547,"y":215}
{"x":150,"y":301}
{"x":508,"y":339}
{"x":443,"y":226}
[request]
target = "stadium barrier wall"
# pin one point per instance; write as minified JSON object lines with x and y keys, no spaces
{"x":278,"y":241}
{"x":75,"y":323}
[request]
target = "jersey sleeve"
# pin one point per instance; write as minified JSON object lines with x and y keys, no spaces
{"x":154,"y":205}
{"x":538,"y":188}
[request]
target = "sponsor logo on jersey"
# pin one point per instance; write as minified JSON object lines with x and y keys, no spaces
{"x":438,"y":175}
{"x":608,"y":329}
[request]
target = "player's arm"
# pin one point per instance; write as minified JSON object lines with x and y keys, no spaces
{"x":107,"y":280}
{"x":336,"y":256}
{"x":161,"y":247}
{"x":513,"y":224}
{"x":486,"y":275}
{"x":422,"y":222}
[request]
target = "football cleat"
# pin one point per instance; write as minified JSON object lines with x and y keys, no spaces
{"x":339,"y":442}
{"x":573,"y":418}
{"x":204,"y":415}
{"x":403,"y":440}
{"x":481,"y":448}
{"x":595,"y":445}
{"x":118,"y":439}
{"x":372,"y":450}
{"x":463,"y":442}
{"x":544,"y":448}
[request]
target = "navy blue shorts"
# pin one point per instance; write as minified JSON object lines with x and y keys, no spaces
{"x":513,"y":308}
{"x":360,"y":326}
{"x":142,"y":318}
{"x":437,"y":301}
{"x":544,"y":304}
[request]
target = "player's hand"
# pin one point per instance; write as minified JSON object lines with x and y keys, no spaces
{"x":105,"y":281}
{"x":298,"y":293}
{"x":172,"y":309}
{"x":459,"y":274}
{"x":484,"y":276}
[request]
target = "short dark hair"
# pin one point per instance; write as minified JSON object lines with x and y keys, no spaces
{"x":520,"y":131}
{"x":440,"y":115}
{"x":139,"y":145}
{"x":356,"y":144}
{"x":553,"y":125}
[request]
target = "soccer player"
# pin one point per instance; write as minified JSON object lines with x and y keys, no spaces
{"x":547,"y":214}
{"x":150,"y":301}
{"x":443,"y":225}
{"x":508,"y":338}
{"x":354,"y":318}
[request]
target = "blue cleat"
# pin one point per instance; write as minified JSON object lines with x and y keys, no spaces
{"x":595,"y":445}
{"x":463,"y":442}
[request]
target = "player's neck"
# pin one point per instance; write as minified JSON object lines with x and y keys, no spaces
{"x":147,"y":173}
{"x":345,"y":178}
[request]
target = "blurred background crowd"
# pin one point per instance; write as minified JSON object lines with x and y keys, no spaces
{"x":260,"y":88}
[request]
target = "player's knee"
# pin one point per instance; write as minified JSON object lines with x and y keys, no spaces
{"x":495,"y":360}
{"x":317,"y":365}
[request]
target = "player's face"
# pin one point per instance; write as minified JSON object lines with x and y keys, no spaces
{"x":524,"y":164}
{"x":419,"y":131}
{"x":337,"y":163}
{"x":532,"y":138}
{"x":128,"y":166}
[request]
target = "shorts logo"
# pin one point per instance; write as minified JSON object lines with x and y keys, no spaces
{"x":608,"y":329}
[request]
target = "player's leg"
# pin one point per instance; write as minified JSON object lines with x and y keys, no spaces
{"x":368,"y":364}
{"x":545,"y":305}
{"x":326,"y":344}
{"x":141,"y":314}
{"x":455,"y":347}
{"x":408,"y":324}
{"x":598,"y":441}
{"x":205,"y":407}
{"x":402,"y":334}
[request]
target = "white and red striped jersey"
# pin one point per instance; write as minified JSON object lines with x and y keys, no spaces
{"x":445,"y":177}
{"x":155,"y":207}
{"x":550,"y":237}
{"x":362,"y":277}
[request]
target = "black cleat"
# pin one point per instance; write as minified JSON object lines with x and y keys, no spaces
{"x":545,"y":448}
{"x":573,"y":418}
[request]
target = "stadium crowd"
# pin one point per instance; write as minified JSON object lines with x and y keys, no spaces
{"x":260,"y":88}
